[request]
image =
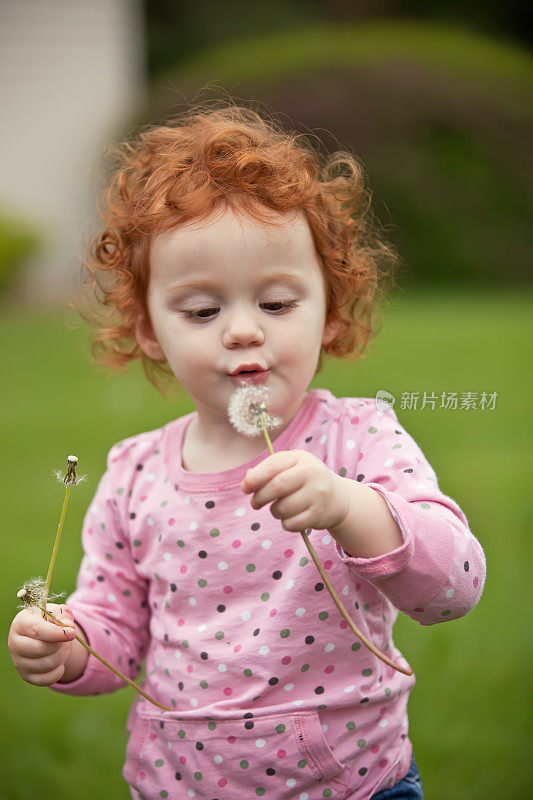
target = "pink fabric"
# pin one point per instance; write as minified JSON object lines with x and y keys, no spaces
{"x":273,"y":694}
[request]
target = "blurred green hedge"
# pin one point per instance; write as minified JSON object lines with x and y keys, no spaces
{"x":440,"y":117}
{"x":18,"y":241}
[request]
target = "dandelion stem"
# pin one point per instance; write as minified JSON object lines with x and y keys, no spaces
{"x":109,"y":666}
{"x":330,"y":588}
{"x":56,"y":543}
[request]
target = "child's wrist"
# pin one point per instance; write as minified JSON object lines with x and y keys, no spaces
{"x":368,"y":529}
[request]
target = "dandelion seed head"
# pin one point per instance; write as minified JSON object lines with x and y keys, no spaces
{"x":33,"y":593}
{"x":67,"y":478}
{"x":248,"y":410}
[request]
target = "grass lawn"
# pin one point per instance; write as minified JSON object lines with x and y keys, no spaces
{"x":470,"y":713}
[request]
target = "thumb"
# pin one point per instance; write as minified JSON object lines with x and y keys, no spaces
{"x":62,"y":613}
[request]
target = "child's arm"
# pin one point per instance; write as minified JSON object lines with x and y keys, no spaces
{"x":109,"y":603}
{"x":436,"y":570}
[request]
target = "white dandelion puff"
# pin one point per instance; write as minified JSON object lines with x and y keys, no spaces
{"x":248,"y":410}
{"x":33,"y":593}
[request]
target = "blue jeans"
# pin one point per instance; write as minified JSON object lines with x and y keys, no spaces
{"x":409,"y":788}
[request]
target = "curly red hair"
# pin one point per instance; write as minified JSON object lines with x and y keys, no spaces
{"x":184,"y":169}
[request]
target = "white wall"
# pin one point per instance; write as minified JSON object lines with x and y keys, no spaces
{"x":71,"y":74}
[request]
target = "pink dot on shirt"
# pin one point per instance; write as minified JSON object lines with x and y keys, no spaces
{"x":237,"y":648}
{"x":190,"y":668}
{"x":153,"y":737}
{"x":183,"y":759}
{"x":354,"y":420}
{"x":171,"y":521}
{"x":286,"y":660}
{"x":476,"y":581}
{"x":181,"y":622}
{"x":237,"y":543}
{"x":328,"y":564}
{"x":232,"y":739}
{"x":330,"y":668}
{"x":142,"y":775}
{"x":119,"y":573}
{"x":383,"y":763}
{"x":183,"y":568}
{"x":375,"y":749}
{"x":228,"y":691}
{"x":90,"y":531}
{"x":288,"y":553}
{"x":282,"y":753}
{"x":343,"y":624}
{"x":360,"y":456}
{"x":143,"y":498}
{"x":273,"y":612}
{"x":227,"y":589}
{"x":222,"y":782}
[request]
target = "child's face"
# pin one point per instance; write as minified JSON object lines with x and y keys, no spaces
{"x":233,"y":300}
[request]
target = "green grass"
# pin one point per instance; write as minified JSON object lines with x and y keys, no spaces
{"x":470,"y":712}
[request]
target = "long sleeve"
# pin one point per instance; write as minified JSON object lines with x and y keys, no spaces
{"x":438,"y":573}
{"x":109,"y":602}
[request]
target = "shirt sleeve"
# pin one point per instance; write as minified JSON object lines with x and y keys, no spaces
{"x":110,"y":601}
{"x":438,"y":573}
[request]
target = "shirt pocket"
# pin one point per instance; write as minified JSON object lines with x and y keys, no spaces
{"x":281,"y":757}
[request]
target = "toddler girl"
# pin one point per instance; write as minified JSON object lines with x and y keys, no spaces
{"x":232,"y":255}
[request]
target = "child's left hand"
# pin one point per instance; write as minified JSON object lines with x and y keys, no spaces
{"x":304,"y":492}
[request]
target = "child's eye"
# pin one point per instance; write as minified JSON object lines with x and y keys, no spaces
{"x":200,"y":313}
{"x":278,"y":305}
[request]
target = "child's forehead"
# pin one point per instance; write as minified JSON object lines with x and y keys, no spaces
{"x":226,"y":229}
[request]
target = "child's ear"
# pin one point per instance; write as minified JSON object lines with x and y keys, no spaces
{"x":146,"y":338}
{"x":331,"y":329}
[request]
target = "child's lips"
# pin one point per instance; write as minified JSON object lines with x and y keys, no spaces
{"x":246,"y":377}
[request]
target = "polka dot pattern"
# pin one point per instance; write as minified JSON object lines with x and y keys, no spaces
{"x":273,"y":694}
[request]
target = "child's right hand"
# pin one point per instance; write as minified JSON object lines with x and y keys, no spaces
{"x":40,"y":648}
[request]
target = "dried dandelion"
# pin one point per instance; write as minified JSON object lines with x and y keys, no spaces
{"x":248,"y":413}
{"x":33,"y":594}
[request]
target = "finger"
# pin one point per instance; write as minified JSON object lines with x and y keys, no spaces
{"x":280,"y":486}
{"x":40,"y":666}
{"x":49,"y":631}
{"x":298,"y":523}
{"x":27,"y":647}
{"x":47,"y":679}
{"x":291,"y":506}
{"x":258,"y":476}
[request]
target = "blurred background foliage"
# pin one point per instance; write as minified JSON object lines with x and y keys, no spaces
{"x":440,"y":116}
{"x":19,"y":241}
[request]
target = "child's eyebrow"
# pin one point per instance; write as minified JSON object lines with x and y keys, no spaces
{"x":189,"y":286}
{"x":273,"y":277}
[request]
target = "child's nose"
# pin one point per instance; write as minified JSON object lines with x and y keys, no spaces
{"x":242,"y":329}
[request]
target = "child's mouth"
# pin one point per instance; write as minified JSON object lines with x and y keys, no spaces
{"x":249,"y":374}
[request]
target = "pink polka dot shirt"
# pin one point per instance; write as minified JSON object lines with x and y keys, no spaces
{"x":273,"y":695}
